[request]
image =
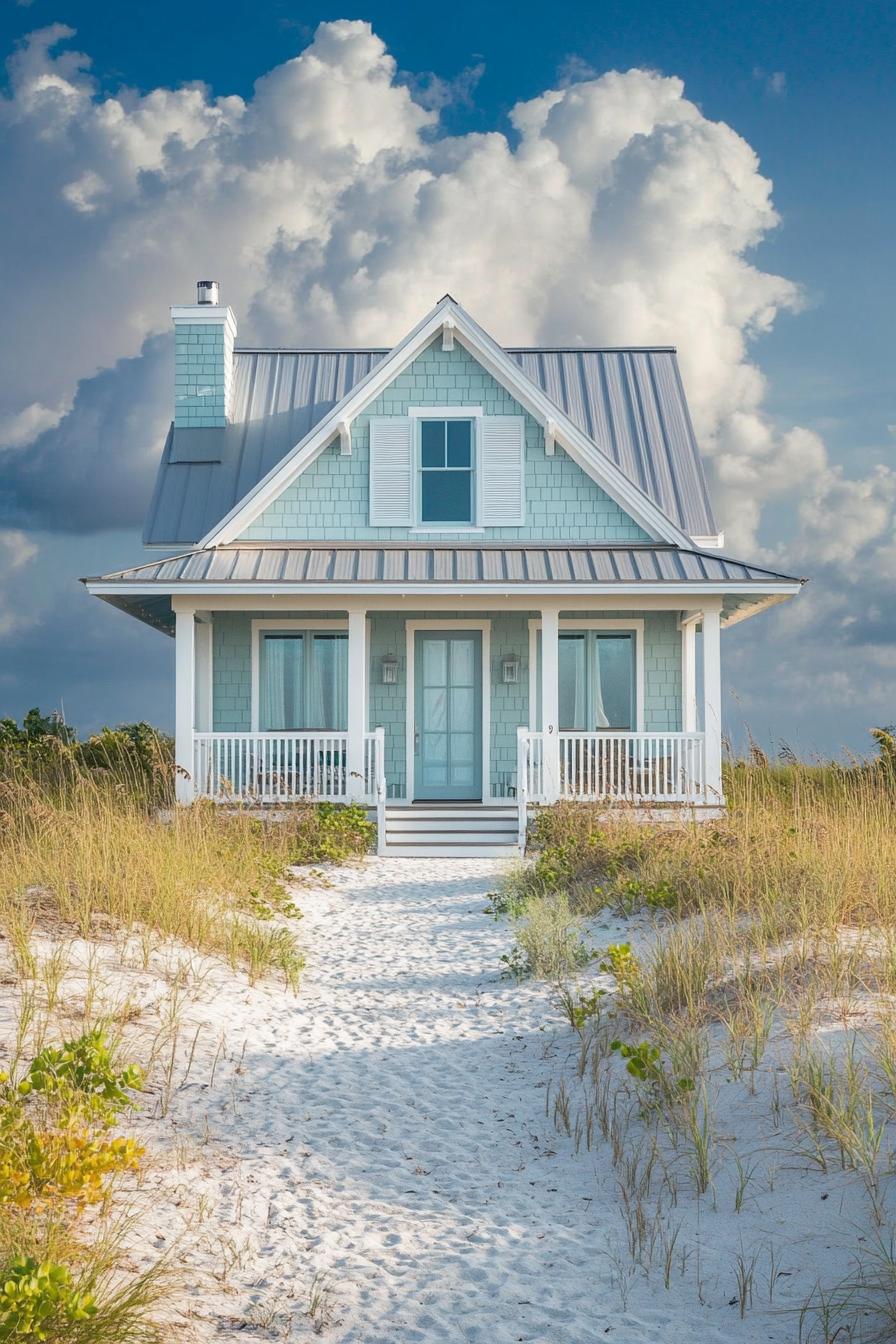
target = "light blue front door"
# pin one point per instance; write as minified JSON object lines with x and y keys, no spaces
{"x":448,"y":714}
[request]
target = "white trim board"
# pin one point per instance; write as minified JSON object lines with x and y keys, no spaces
{"x":507,"y":372}
{"x":597,"y":623}
{"x":485,"y":629}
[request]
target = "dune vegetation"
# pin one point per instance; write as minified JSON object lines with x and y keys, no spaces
{"x":734,"y":977}
{"x":94,"y":857}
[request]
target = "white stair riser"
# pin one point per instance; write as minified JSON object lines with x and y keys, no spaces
{"x":476,"y":851}
{"x":461,"y":824}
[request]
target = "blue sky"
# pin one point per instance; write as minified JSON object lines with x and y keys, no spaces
{"x":808,"y":87}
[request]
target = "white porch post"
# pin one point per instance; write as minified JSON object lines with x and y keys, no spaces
{"x":184,"y":701}
{"x":550,"y":699}
{"x":357,"y":703}
{"x":712,"y":699}
{"x":203,"y":635}
{"x":689,"y":671}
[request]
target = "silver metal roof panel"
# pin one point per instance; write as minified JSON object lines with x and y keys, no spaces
{"x":631,"y":403}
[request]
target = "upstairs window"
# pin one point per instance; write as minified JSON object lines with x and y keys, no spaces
{"x":446,"y":472}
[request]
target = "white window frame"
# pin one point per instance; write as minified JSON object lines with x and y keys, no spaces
{"x":304,"y":626}
{"x":609,"y":626}
{"x":474,"y":413}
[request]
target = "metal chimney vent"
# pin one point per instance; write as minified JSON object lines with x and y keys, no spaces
{"x":207,"y":291}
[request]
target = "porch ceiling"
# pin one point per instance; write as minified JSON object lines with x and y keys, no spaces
{"x":588,"y":571}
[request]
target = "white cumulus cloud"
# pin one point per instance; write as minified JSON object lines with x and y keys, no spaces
{"x":333,"y":208}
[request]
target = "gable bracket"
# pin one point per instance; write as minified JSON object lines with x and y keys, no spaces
{"x":345,"y":438}
{"x":448,"y":334}
{"x":550,"y":437}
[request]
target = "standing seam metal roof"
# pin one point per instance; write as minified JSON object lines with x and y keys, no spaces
{"x":346,"y":564}
{"x":630,"y":402}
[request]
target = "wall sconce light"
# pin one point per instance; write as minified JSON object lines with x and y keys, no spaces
{"x":389,"y":667}
{"x":510,"y":670}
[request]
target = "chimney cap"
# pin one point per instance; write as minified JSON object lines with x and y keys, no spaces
{"x":207,"y":291}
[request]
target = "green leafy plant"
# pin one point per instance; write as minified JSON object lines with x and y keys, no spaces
{"x":619,"y":960}
{"x":81,"y":1075}
{"x":580,"y":1009}
{"x":38,"y":1301}
{"x":333,"y":832}
{"x":644,"y":1062}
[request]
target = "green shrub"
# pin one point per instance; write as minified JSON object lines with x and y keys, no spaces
{"x":548,"y":941}
{"x":39,"y":1301}
{"x":82,"y":1077}
{"x":333,"y":832}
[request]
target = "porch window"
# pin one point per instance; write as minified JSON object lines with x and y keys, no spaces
{"x":596,"y":673}
{"x":303,"y":682}
{"x":446,"y":471}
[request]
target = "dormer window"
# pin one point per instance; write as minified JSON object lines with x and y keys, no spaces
{"x":446,"y":472}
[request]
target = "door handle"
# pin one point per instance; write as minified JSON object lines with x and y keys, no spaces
{"x":416,"y":738}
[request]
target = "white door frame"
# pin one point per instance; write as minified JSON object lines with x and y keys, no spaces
{"x":485,"y":629}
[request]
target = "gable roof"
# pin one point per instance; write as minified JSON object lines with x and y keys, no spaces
{"x":625,"y":410}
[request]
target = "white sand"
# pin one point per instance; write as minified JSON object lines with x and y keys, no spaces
{"x":384,"y":1136}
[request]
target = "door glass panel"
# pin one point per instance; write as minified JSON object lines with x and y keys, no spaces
{"x":462,"y":747}
{"x":282,"y":683}
{"x":435,"y":662}
{"x":463,"y":670}
{"x":437,"y":748}
{"x":463,"y":709}
{"x":435,"y":709}
{"x":613,"y":681}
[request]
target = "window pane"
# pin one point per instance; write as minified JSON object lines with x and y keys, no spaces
{"x":327,"y":700}
{"x":572,"y":688}
{"x":432,"y":443}
{"x":459,"y":443}
{"x":446,"y":497}
{"x":613,"y":681}
{"x":282,"y":677}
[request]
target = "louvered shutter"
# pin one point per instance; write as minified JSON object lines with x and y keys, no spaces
{"x":391,"y":472}
{"x":502,"y":468}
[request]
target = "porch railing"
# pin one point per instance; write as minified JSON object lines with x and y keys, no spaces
{"x":628,"y":767}
{"x":283,"y":767}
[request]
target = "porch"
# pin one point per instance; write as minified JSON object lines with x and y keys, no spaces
{"x":476,"y":708}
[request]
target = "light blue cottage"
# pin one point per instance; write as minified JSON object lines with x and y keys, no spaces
{"x":447,"y":579}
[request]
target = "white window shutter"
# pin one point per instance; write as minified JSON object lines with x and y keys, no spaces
{"x":391,"y":471}
{"x":502,"y":467}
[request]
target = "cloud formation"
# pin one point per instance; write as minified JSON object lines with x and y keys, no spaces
{"x":333,"y":209}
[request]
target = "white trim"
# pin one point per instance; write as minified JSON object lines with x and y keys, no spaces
{"x":710,"y":543}
{"x":597,"y":623}
{"x":205,"y":315}
{"x":345,"y":438}
{"x":550,"y":437}
{"x":767,"y":593}
{"x":255,"y":652}
{"x":204,"y":689}
{"x":445,"y":412}
{"x":507,"y":372}
{"x":485,"y":629}
{"x":184,"y":702}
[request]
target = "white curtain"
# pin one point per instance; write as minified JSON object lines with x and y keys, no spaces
{"x":282,"y":677}
{"x":573,"y":688}
{"x":600,"y":714}
{"x":328,"y":691}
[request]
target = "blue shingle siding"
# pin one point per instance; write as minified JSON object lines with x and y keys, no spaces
{"x":201,"y":369}
{"x":329,"y":501}
{"x":232,"y":678}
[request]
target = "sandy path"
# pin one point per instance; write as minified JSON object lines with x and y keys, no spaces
{"x":391,"y":1130}
{"x":386,"y":1129}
